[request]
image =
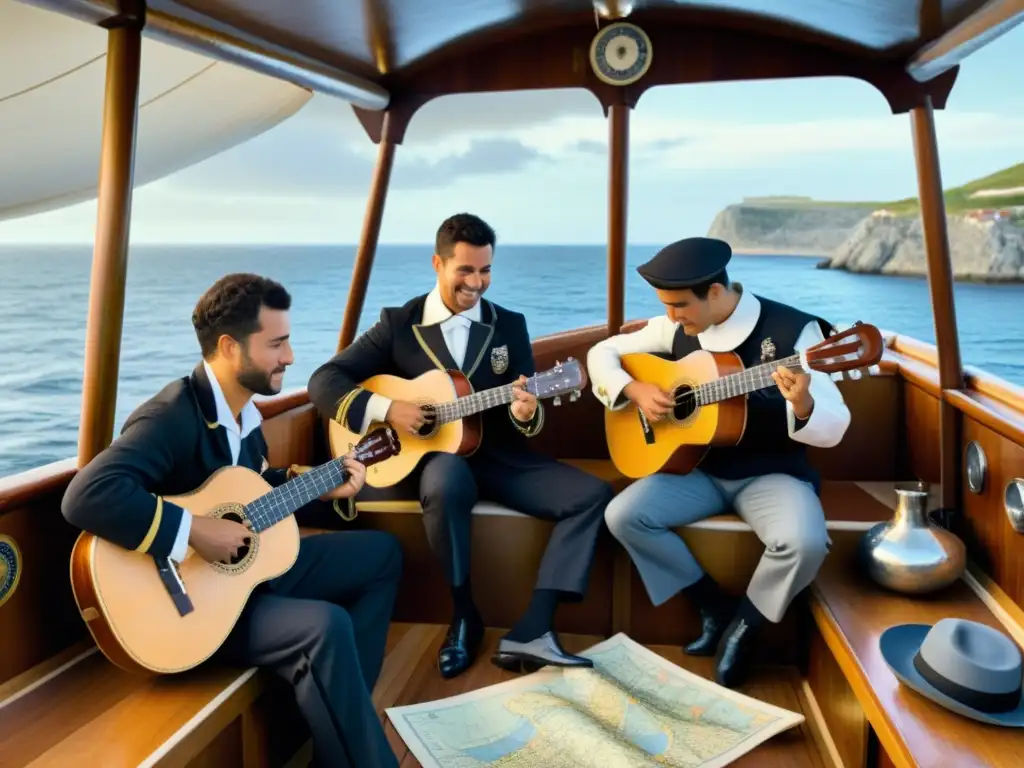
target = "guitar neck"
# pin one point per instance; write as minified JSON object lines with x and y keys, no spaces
{"x":474,"y":403}
{"x":275,"y":506}
{"x":746,"y":381}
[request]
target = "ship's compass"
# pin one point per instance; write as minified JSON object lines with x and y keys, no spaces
{"x":620,"y":54}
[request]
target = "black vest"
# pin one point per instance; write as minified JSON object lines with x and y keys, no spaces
{"x":765,"y":447}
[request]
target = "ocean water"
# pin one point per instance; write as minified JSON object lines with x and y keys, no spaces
{"x":557,"y":287}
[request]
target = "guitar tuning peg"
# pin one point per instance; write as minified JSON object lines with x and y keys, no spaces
{"x":557,"y":363}
{"x":874,"y":370}
{"x":569,"y":359}
{"x":855,"y":373}
{"x":557,"y":401}
{"x":836,"y":376}
{"x":572,"y":397}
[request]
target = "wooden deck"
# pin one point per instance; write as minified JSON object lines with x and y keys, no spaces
{"x":409,"y":676}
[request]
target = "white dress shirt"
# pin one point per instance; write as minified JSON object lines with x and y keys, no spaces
{"x":456,"y":337}
{"x":828,"y":421}
{"x":251,"y":419}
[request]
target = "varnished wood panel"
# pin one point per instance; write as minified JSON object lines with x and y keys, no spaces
{"x":506,"y":555}
{"x":40,"y":619}
{"x":844,"y":719}
{"x":921,"y":434}
{"x":386,"y":35}
{"x":991,"y":540}
{"x":851,"y":613}
{"x":291,"y":437}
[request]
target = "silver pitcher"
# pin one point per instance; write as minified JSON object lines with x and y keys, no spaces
{"x":909,"y":553}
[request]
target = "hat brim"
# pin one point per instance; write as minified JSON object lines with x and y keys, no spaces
{"x":901,"y":643}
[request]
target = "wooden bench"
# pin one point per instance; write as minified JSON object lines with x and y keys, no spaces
{"x":874,"y":720}
{"x":848,"y":505}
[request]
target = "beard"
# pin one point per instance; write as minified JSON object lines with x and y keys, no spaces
{"x":258,"y":381}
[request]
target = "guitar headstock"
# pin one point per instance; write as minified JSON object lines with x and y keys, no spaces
{"x":378,"y":445}
{"x":564,"y":378}
{"x":851,"y":351}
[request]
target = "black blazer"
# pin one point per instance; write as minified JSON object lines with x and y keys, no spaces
{"x":169,"y":445}
{"x":498,"y":352}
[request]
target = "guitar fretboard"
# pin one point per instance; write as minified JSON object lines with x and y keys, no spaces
{"x":747,"y":380}
{"x":474,"y":403}
{"x":275,"y":506}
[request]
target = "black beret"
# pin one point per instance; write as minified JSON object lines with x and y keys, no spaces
{"x":686,"y":263}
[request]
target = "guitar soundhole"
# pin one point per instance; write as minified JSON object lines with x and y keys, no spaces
{"x":686,"y":402}
{"x":243,"y":551}
{"x":246,"y":554}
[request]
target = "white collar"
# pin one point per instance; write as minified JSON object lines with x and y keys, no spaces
{"x":728,"y":335}
{"x":435,"y":311}
{"x":251,"y":416}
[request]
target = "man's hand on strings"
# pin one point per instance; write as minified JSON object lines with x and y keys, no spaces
{"x":795,"y":387}
{"x":653,"y":402}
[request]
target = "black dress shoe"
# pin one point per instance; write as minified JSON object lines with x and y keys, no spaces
{"x":713,"y":625}
{"x":531,"y":656}
{"x":458,"y":651}
{"x":733,"y":660}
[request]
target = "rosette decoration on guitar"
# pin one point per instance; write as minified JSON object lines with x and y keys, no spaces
{"x":710,"y":393}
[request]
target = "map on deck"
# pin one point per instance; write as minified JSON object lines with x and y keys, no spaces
{"x":633,"y":709}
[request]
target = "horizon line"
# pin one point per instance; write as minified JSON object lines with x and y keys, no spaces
{"x":285,"y":244}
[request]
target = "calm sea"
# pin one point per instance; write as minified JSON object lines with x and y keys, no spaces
{"x":557,"y":287}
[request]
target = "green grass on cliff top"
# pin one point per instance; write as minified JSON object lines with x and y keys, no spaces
{"x":958,"y":199}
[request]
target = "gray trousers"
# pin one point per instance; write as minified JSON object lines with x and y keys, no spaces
{"x":784,"y":513}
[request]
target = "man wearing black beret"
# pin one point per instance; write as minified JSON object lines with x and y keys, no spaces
{"x":766,"y":478}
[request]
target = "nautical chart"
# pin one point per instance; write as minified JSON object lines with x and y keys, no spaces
{"x":633,"y":709}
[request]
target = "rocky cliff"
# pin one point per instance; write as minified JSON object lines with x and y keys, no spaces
{"x":979,"y":250}
{"x":798,"y":228}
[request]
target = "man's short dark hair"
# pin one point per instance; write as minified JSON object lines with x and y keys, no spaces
{"x":701,"y":289}
{"x":232,"y":306}
{"x":462,"y":228}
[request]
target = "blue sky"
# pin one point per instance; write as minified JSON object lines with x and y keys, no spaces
{"x":535,"y":164}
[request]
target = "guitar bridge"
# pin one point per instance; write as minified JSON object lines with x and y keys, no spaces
{"x":174,"y":585}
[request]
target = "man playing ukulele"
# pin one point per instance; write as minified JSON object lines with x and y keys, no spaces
{"x":766,"y":478}
{"x":322,"y":624}
{"x":453,"y":328}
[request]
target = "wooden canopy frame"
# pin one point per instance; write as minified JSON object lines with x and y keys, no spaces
{"x":914,"y":76}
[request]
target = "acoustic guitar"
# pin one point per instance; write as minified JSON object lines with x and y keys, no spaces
{"x":456,"y":427}
{"x":709,"y":391}
{"x":147,"y":614}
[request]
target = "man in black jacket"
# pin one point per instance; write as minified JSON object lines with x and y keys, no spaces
{"x":321,"y":625}
{"x":452,"y":328}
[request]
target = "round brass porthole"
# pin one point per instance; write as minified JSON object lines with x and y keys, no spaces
{"x":976,"y":466}
{"x":10,"y":567}
{"x":1013,"y":500}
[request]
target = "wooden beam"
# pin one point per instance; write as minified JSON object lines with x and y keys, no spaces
{"x":371,"y":233}
{"x":995,"y":18}
{"x":618,"y":194}
{"x":110,"y":251}
{"x":940,"y":285}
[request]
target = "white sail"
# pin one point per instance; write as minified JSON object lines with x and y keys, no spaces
{"x":52,"y":74}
